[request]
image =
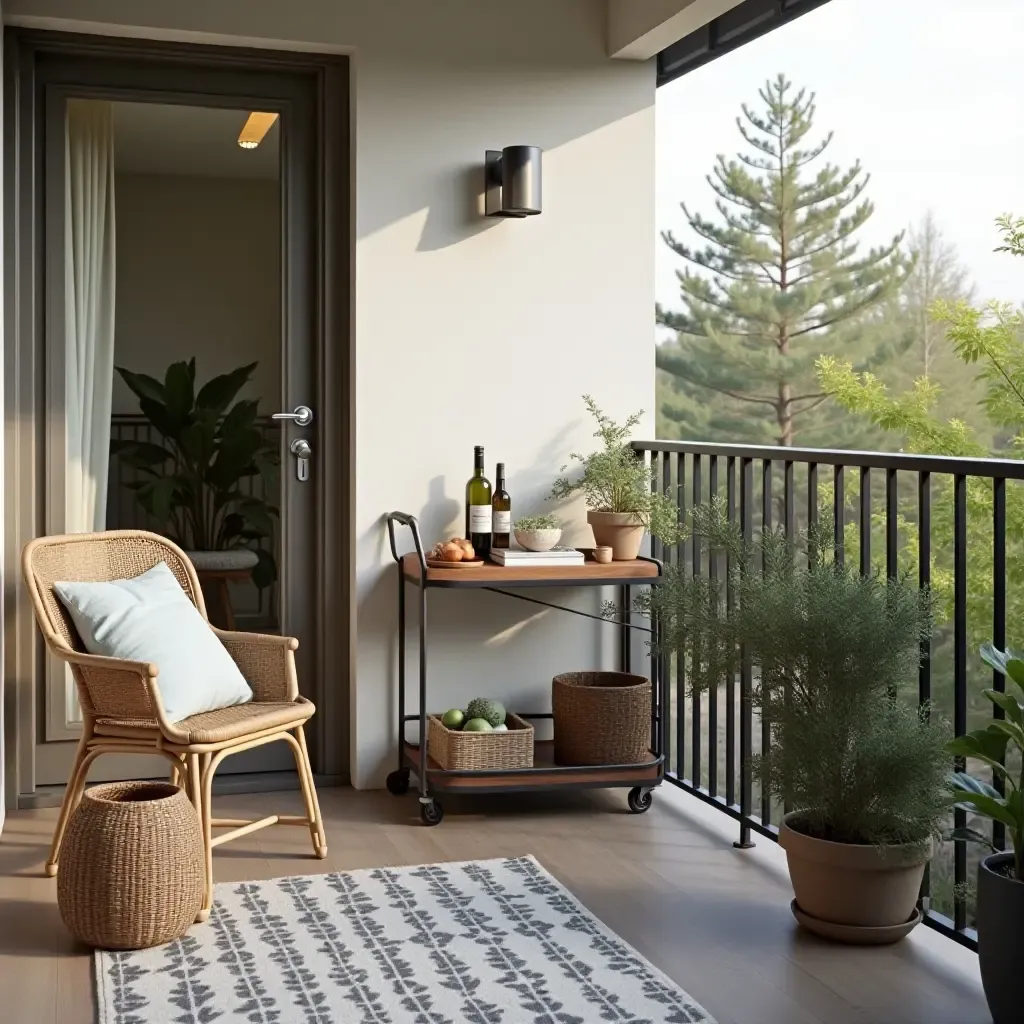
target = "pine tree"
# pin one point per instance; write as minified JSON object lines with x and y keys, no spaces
{"x":780,"y":281}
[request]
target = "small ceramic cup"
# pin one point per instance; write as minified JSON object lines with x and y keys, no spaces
{"x":602,"y":553}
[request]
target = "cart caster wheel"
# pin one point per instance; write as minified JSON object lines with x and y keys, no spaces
{"x":432,"y":813}
{"x":640,"y":799}
{"x":398,"y":782}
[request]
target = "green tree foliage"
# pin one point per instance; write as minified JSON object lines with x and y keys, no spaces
{"x":906,"y":319}
{"x":780,"y":280}
{"x":989,"y":341}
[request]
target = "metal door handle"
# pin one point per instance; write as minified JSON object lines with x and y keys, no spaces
{"x":301,"y":417}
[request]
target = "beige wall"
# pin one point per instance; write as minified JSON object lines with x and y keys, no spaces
{"x":468,"y":331}
{"x":197,"y":275}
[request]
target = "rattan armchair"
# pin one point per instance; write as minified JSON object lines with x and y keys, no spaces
{"x":120,"y":701}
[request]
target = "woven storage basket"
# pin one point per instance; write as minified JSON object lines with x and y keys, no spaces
{"x":131,"y":866}
{"x":482,"y":751}
{"x":601,"y":718}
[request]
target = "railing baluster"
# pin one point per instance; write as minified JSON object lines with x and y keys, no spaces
{"x":695,"y":716}
{"x":839,"y":515}
{"x":680,"y":659}
{"x":998,"y":620}
{"x":746,"y":673}
{"x":656,"y":552}
{"x":766,"y":527}
{"x":789,"y":499}
{"x":713,"y":691}
{"x":865,"y":520}
{"x":892,"y":537}
{"x":730,"y":681}
{"x":812,"y":494}
{"x":959,"y":677}
{"x":789,"y":516}
{"x":924,"y":579}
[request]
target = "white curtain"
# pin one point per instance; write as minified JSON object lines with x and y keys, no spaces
{"x":89,"y":310}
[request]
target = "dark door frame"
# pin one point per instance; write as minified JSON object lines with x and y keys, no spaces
{"x":317,"y":289}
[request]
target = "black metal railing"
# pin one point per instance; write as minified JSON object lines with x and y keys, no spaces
{"x":918,"y":522}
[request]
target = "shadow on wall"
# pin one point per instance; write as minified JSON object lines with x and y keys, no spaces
{"x":457,"y":212}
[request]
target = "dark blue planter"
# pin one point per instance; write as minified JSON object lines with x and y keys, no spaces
{"x":1001,"y":938}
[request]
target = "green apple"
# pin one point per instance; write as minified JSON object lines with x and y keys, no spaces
{"x":453,"y":718}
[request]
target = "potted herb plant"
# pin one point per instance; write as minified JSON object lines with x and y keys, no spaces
{"x":828,"y":650}
{"x":1000,"y":908}
{"x":537,"y":533}
{"x":616,"y":485}
{"x":190,"y":481}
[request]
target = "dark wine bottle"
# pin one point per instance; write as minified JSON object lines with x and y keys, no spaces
{"x":478,"y":506}
{"x":501,"y":511}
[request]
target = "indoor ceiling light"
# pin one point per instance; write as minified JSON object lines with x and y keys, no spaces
{"x":257,"y":125}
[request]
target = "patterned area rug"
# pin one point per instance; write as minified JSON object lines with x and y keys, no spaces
{"x":481,"y":942}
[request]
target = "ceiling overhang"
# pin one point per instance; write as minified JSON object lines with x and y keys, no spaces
{"x":641,"y":30}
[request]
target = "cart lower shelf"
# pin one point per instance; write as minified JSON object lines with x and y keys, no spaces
{"x":639,"y":779}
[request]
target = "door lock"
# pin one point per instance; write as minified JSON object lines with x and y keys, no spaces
{"x":301,"y":450}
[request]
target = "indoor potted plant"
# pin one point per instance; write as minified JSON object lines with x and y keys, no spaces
{"x":617,"y":486}
{"x":828,"y":650}
{"x":1000,"y":913}
{"x":188,"y":483}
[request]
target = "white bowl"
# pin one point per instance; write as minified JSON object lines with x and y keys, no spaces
{"x":538,"y":540}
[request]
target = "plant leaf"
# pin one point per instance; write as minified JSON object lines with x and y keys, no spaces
{"x":970,"y":835}
{"x":142,"y":385}
{"x":217,"y":394}
{"x":988,"y":745}
{"x":1009,"y":703}
{"x":179,"y":384}
{"x":1015,"y":670}
{"x":1014,"y":731}
{"x":963,"y":783}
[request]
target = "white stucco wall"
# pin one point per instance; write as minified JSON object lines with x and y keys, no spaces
{"x":468,"y":331}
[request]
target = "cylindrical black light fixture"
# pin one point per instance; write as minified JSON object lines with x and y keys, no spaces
{"x":513,"y":181}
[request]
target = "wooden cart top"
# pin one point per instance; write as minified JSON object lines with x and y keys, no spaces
{"x":490,"y":574}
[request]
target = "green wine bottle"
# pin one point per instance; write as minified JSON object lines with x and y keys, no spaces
{"x":501,"y":516}
{"x":478,"y":506}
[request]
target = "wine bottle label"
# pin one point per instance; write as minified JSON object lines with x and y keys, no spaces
{"x":479,"y":518}
{"x":502,"y":522}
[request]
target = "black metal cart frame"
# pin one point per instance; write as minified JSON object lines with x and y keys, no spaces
{"x":640,"y":778}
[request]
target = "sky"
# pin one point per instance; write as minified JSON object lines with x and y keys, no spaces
{"x":928,"y":94}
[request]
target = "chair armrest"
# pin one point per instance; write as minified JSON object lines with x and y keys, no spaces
{"x":113,"y":687}
{"x":266,"y":661}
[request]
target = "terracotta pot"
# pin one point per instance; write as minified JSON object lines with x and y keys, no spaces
{"x":618,"y":530}
{"x":852,"y":886}
{"x":1000,"y":936}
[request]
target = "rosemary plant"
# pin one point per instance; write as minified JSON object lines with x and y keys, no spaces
{"x":829,"y":651}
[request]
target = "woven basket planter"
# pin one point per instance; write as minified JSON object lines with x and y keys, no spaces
{"x":601,"y":718}
{"x":482,"y":751}
{"x":131,"y":866}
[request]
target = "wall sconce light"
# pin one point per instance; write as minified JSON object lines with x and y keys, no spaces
{"x":512,"y":181}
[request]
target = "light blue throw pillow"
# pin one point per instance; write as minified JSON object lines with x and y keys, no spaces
{"x":150,"y":618}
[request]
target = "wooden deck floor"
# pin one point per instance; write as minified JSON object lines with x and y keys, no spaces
{"x":715,"y":919}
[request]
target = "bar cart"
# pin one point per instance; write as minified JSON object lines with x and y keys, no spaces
{"x":639,"y":778}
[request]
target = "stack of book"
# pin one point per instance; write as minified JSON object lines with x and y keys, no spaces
{"x":521,"y":558}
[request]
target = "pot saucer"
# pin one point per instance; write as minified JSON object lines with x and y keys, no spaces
{"x":854,"y":934}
